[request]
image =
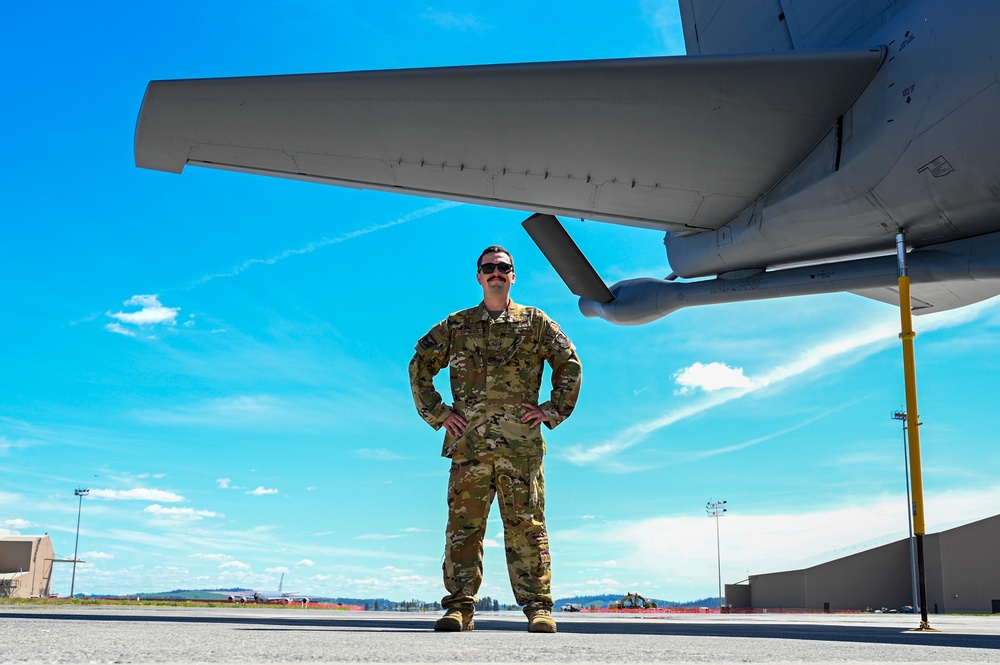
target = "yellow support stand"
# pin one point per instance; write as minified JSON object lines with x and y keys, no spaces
{"x":912,"y":422}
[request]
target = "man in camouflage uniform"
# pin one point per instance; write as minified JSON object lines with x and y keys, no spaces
{"x":495,"y":353}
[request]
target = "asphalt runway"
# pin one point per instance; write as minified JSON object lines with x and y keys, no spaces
{"x":39,"y":634}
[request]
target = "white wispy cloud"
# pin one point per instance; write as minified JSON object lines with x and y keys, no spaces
{"x":211,"y":557}
{"x":15,"y":526}
{"x":452,"y":20}
{"x":277,"y":570}
{"x":179,"y":514}
{"x":223,"y":482}
{"x":235,"y":565}
{"x":254,"y":412}
{"x":605,"y":583}
{"x":324,"y":242}
{"x":305,"y":563}
{"x":248,"y":410}
{"x":242,"y":404}
{"x":278,"y":413}
{"x":137,"y":494}
{"x":377,"y":536}
{"x":664,"y":17}
{"x":709,"y":378}
{"x":96,"y":556}
{"x":151,"y":312}
{"x":849,"y":347}
{"x":7,"y":445}
{"x":262,"y":491}
{"x":694,"y":455}
{"x":489,"y":542}
{"x":119,"y":329}
{"x":676,"y":548}
{"x":377,"y":454}
{"x":18,"y":523}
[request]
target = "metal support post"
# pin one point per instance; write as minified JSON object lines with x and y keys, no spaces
{"x":912,"y":420}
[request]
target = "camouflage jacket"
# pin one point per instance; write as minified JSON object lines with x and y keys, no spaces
{"x":494,"y":367}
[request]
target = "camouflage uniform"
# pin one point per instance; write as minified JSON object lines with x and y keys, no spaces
{"x":495,"y":365}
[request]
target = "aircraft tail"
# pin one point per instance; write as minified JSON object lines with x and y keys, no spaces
{"x":764,"y":26}
{"x":734,"y":26}
{"x":281,"y":581}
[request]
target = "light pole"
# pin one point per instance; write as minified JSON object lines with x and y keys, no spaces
{"x":901,"y":416}
{"x":717,"y":509}
{"x":80,"y":492}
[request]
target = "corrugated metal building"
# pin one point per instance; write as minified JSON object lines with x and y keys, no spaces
{"x":25,"y":566}
{"x":962,"y":567}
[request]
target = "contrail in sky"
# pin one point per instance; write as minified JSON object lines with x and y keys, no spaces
{"x":153,"y":312}
{"x":862,"y":343}
{"x":323,"y":242}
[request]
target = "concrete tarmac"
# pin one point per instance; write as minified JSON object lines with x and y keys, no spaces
{"x":59,"y":634}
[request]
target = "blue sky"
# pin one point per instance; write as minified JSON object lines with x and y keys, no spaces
{"x":222,"y":358}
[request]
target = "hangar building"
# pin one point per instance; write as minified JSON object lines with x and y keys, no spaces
{"x":25,"y":566}
{"x":962,"y":569}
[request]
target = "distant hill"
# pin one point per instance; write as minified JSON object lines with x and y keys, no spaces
{"x":594,"y":601}
{"x":220,"y":594}
{"x":186,"y":594}
{"x":602,"y":601}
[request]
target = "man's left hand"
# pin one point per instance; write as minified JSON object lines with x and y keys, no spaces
{"x":533,"y":416}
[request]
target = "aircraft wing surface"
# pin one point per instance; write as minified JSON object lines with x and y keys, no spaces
{"x":668,"y":143}
{"x":928,"y":298}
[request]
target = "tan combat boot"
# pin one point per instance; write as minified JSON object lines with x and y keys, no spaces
{"x":455,"y":620}
{"x":540,"y":620}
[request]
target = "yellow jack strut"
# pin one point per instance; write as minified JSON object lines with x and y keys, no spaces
{"x":912,"y":422}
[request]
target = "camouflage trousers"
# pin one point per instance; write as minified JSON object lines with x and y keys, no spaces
{"x":519,"y":484}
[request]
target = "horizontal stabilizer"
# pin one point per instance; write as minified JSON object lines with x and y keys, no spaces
{"x":667,"y":143}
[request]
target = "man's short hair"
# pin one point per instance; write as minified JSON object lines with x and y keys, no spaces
{"x":494,"y":249}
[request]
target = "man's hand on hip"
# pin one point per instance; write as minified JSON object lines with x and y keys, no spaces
{"x":533,"y":416}
{"x":455,"y":424}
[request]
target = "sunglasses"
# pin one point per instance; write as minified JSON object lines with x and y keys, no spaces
{"x":488,"y":268}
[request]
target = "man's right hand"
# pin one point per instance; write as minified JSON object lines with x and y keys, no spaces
{"x":455,"y":424}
